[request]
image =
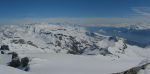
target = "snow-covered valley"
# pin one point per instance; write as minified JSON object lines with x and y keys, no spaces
{"x":57,"y":49}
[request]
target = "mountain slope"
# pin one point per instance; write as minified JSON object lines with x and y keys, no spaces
{"x":50,"y":48}
{"x":10,"y":70}
{"x":58,"y":39}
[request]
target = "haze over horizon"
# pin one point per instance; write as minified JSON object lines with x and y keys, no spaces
{"x":87,"y":12}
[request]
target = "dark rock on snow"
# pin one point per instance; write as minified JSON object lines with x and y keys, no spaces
{"x":4,"y":47}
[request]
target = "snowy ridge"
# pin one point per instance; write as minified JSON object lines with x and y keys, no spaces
{"x":58,"y":39}
{"x":138,"y":27}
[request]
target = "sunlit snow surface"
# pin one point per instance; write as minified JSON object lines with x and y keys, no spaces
{"x":48,"y":62}
{"x":10,"y":70}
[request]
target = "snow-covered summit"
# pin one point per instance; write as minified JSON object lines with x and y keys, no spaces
{"x":49,"y":38}
{"x":138,"y":27}
{"x":42,"y":43}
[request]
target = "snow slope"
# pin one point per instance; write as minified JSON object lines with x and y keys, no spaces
{"x":76,"y":64}
{"x":82,"y":64}
{"x":52,"y":48}
{"x":10,"y":70}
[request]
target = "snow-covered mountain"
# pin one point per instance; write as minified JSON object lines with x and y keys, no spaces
{"x":58,"y":39}
{"x":50,"y":48}
{"x":138,"y":26}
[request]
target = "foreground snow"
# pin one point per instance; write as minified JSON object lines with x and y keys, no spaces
{"x":52,"y":63}
{"x":75,"y":64}
{"x":10,"y":70}
{"x":81,"y":64}
{"x":61,"y":63}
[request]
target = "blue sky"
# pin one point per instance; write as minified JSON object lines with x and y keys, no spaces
{"x":21,"y":9}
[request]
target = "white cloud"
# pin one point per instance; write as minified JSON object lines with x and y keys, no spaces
{"x":142,"y":10}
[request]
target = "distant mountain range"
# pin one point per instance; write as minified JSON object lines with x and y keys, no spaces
{"x":134,"y":34}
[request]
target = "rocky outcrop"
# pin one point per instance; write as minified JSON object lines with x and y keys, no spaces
{"x":4,"y":47}
{"x":16,"y":61}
